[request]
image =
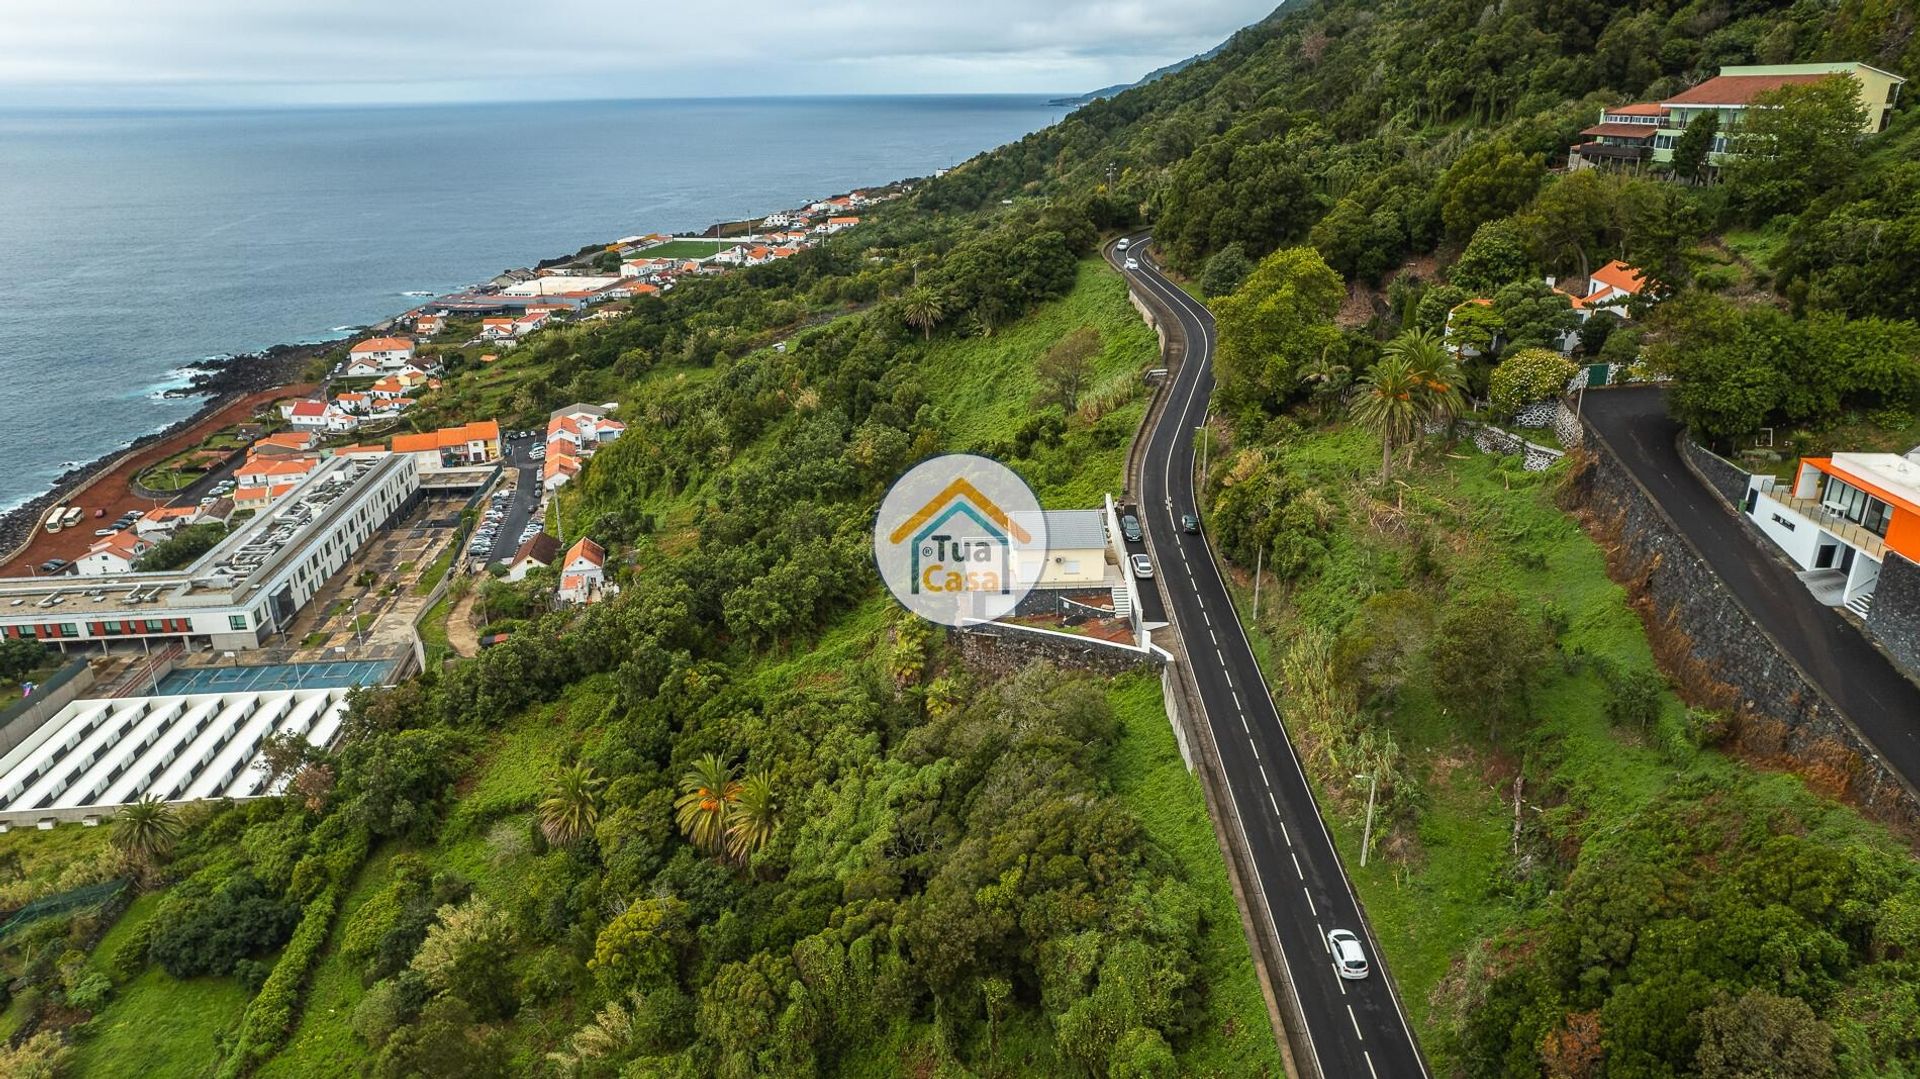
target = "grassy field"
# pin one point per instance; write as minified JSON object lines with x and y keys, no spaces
{"x":323,"y":1043}
{"x":1496,"y":527}
{"x":155,"y":1024}
{"x":988,"y":388}
{"x":686,"y":249}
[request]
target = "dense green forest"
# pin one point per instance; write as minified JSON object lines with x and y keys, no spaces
{"x":747,"y":820}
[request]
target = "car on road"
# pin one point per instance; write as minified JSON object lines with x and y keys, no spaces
{"x":1189,"y":523}
{"x":1123,"y":244}
{"x":1130,"y":528}
{"x":1142,"y":566}
{"x":1133,"y":264}
{"x":1348,"y":958}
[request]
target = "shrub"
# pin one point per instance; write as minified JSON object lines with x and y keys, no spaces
{"x":1633,"y":697}
{"x":210,"y":935}
{"x":1526,"y":376}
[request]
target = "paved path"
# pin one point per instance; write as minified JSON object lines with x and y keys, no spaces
{"x":1355,"y":1029}
{"x":1863,"y":683}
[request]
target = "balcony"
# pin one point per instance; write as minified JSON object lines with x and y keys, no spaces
{"x":1609,"y":151}
{"x":1849,"y":533}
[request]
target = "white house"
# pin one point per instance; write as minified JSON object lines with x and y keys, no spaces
{"x":386,"y":352}
{"x":364,"y":369}
{"x":115,"y":554}
{"x":583,"y":573}
{"x":539,"y":552}
{"x":1610,"y":288}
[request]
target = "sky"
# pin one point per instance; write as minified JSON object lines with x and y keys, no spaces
{"x":269,"y":52}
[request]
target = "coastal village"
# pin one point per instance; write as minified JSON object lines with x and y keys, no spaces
{"x":336,"y":503}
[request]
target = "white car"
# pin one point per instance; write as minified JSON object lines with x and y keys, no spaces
{"x":1348,"y":959}
{"x":1133,"y":264}
{"x":1142,"y":566}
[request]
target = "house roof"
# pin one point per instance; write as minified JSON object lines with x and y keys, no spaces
{"x":1639,"y":108}
{"x":1740,"y":90}
{"x":288,"y":440}
{"x":1074,"y":530}
{"x":169,"y":513}
{"x":573,"y":582}
{"x":1617,"y":274}
{"x":125,"y":544}
{"x":277,"y":466}
{"x":309,"y":408}
{"x":383,"y":344}
{"x":1622,"y":131}
{"x":541,"y":548}
{"x":587,"y":550}
{"x":419,"y":443}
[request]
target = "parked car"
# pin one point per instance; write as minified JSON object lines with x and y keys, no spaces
{"x":105,"y":531}
{"x":1189,"y":523}
{"x":1130,"y":528}
{"x":53,"y":565}
{"x":1348,"y":958}
{"x":1142,"y":566}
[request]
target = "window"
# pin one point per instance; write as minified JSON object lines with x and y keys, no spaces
{"x":69,"y":629}
{"x":153,"y":625}
{"x":236,"y":621}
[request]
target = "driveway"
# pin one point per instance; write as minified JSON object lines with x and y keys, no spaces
{"x":1863,"y":683}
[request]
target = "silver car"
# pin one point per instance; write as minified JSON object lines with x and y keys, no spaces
{"x":1142,"y":566}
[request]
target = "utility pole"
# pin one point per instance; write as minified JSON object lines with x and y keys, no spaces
{"x":1366,"y":836}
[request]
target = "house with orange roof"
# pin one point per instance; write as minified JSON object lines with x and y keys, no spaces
{"x":451,"y":447}
{"x":164,"y":521}
{"x":1730,"y":95}
{"x":836,"y":224}
{"x":283,"y":443}
{"x":317,"y":415}
{"x":562,"y":464}
{"x":1611,"y":289}
{"x":427,"y":325}
{"x":115,"y":554}
{"x":355,"y":402}
{"x":382,"y":352}
{"x":1845,"y":520}
{"x":259,"y":496}
{"x":267,"y":469}
{"x":583,"y":573}
{"x":497,"y":329}
{"x":529,"y":322}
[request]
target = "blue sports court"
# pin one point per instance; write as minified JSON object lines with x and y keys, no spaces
{"x":358,"y":672}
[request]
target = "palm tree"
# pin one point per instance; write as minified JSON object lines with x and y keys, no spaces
{"x":752,"y":816}
{"x":1327,"y":378}
{"x":924,"y":310}
{"x":572,"y":806}
{"x":1389,"y":404}
{"x":1438,"y":372}
{"x":707,"y":789}
{"x":145,"y":830}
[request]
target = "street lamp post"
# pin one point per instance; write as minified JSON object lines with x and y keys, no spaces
{"x":1366,"y":835}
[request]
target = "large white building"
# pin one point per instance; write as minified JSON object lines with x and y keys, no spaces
{"x":237,"y":595}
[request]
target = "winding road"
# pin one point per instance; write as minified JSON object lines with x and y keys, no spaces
{"x":1351,"y":1028}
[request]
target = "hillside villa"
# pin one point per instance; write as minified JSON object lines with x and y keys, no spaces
{"x":1844,"y":520}
{"x":1647,"y":131}
{"x":583,"y":574}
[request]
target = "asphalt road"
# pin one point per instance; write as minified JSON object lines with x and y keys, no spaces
{"x":1856,"y":677}
{"x":526,"y":497}
{"x":1354,"y":1028}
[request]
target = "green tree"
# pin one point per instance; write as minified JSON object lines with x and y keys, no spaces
{"x":572,"y":806}
{"x":1533,"y":315}
{"x":1692,"y":151}
{"x":752,"y":816}
{"x":1764,"y":1034}
{"x":464,"y":953}
{"x":1488,"y":180}
{"x":20,"y":656}
{"x":707,"y":790}
{"x":638,"y":948}
{"x":1279,"y":320}
{"x":146,"y":831}
{"x":1527,"y":375}
{"x":1065,"y":368}
{"x":44,"y":1056}
{"x":1573,"y":220}
{"x":190,"y":543}
{"x":1496,"y":255}
{"x":1485,"y":658}
{"x":1225,"y":270}
{"x":923,"y":308}
{"x":1794,"y":144}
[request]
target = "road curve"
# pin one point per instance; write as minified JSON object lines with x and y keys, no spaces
{"x":1353,"y":1028}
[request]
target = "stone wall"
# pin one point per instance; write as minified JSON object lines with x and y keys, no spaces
{"x":1000,"y":649}
{"x":1894,"y":618}
{"x":1728,"y":480}
{"x":1534,"y":457}
{"x":1717,"y":655}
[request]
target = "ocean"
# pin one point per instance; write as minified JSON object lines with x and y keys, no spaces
{"x":134,"y":244}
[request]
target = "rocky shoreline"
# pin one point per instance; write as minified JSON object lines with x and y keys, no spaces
{"x":218,"y":382}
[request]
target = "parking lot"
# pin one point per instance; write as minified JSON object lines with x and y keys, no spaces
{"x":511,"y":515}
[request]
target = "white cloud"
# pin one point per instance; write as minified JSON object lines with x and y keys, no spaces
{"x":93,"y":51}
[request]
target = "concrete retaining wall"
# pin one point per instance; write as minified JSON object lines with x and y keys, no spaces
{"x":22,"y":719}
{"x":1718,"y":655}
{"x":998,"y":648}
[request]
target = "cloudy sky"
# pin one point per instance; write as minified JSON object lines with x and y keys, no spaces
{"x":187,"y":52}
